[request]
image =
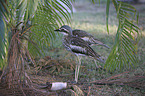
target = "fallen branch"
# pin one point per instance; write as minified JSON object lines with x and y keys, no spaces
{"x":118,"y":75}
{"x":133,"y":81}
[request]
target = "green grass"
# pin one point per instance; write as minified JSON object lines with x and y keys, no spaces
{"x":91,"y":18}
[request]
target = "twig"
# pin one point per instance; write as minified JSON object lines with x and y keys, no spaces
{"x":118,"y":75}
{"x":89,"y":91}
{"x":2,"y":73}
{"x":120,"y":82}
{"x":112,"y":77}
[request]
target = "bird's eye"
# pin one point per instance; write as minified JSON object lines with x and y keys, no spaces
{"x":64,"y":30}
{"x":72,"y":42}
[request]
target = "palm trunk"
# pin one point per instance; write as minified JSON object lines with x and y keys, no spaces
{"x":13,"y":69}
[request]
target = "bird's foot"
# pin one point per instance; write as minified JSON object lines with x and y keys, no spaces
{"x":73,"y":82}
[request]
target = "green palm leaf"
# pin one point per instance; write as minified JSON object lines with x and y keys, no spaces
{"x":123,"y":54}
{"x":46,"y":20}
{"x":3,"y":40}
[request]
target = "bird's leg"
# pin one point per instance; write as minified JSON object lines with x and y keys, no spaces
{"x":98,"y":67}
{"x":77,"y":69}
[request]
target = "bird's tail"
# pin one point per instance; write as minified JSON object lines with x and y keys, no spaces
{"x":96,"y":41}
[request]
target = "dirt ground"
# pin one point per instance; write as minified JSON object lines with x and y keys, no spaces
{"x":48,"y":70}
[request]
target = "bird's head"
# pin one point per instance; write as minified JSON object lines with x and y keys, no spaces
{"x":65,"y":29}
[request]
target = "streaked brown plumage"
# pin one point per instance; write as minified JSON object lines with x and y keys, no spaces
{"x":78,"y":46}
{"x":90,"y":39}
{"x":87,"y":37}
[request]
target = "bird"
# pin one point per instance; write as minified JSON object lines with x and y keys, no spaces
{"x":77,"y":46}
{"x":81,"y":34}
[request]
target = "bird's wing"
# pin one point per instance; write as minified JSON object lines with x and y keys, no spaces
{"x":80,"y":33}
{"x":80,"y":46}
{"x":87,"y":37}
{"x":96,"y":41}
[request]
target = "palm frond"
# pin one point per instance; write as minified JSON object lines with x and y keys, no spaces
{"x":3,"y":40}
{"x":107,"y":14}
{"x":49,"y":17}
{"x":123,"y":54}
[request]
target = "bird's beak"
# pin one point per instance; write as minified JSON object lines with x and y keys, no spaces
{"x":57,"y":30}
